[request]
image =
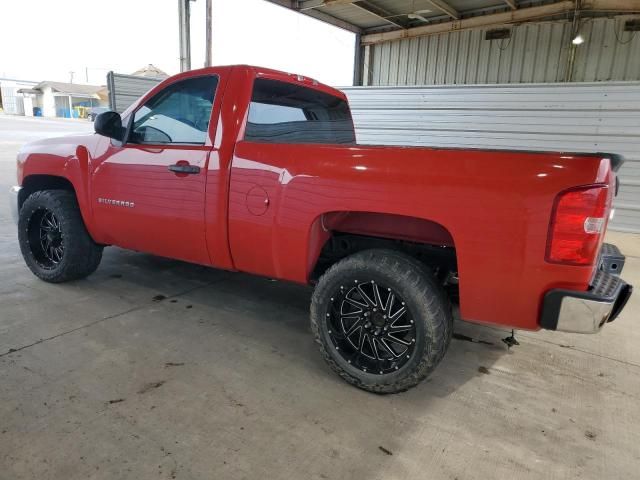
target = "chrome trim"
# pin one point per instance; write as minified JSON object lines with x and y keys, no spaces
{"x":586,"y":311}
{"x":13,"y":202}
{"x":117,"y":203}
{"x":582,"y":315}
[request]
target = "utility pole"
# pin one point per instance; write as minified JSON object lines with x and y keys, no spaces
{"x":71,"y":77}
{"x":184,"y":16}
{"x":207,"y":59}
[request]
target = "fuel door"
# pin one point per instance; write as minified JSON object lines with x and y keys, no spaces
{"x":257,"y":200}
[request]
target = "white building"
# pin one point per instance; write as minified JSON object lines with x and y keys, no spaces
{"x":58,"y":99}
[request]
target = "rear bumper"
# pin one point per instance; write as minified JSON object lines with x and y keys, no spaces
{"x":586,"y":312}
{"x":14,"y":193}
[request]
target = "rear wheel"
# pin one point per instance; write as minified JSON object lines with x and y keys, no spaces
{"x":381,"y":320}
{"x":53,"y":239}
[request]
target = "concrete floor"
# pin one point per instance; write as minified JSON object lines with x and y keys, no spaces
{"x":221,"y":379}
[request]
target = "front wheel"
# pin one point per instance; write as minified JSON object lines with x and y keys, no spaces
{"x":381,"y":320}
{"x":53,"y":239}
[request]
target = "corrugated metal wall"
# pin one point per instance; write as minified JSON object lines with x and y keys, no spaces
{"x":12,"y":101}
{"x":590,"y":117}
{"x":536,"y":52}
{"x":126,"y":89}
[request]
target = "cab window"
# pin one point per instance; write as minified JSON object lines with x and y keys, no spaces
{"x":178,"y":114}
{"x":282,"y":112}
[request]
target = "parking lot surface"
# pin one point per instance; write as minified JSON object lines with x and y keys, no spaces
{"x":153,"y":368}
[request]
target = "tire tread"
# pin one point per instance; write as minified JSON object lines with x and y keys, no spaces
{"x":417,"y":277}
{"x":83,"y":255}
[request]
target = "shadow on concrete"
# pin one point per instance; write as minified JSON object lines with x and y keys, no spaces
{"x":251,"y":383}
{"x":260,"y":308}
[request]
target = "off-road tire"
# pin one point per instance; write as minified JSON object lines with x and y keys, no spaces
{"x":81,"y":255}
{"x":424,"y":298}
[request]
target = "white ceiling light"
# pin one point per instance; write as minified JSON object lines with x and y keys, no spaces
{"x":578,"y":40}
{"x":417,"y":15}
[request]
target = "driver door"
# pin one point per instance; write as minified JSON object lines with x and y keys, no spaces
{"x":149,"y":192}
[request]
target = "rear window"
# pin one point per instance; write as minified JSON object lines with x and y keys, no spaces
{"x":282,"y":112}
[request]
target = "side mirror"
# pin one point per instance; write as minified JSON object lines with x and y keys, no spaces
{"x":109,"y":124}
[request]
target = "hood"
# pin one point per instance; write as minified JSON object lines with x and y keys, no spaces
{"x":76,"y":139}
{"x":54,"y":156}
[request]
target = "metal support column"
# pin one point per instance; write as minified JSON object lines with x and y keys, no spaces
{"x":575,"y":30}
{"x":184,"y":15}
{"x":357,"y":62}
{"x":209,"y":37}
{"x":367,"y":74}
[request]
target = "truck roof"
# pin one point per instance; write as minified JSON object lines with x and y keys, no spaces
{"x":267,"y":73}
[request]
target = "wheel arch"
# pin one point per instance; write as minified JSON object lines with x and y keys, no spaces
{"x":398,"y":232}
{"x":35,"y":182}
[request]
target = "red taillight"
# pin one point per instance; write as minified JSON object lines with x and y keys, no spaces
{"x":577,"y":224}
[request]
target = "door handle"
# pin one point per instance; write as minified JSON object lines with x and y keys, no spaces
{"x":191,"y":169}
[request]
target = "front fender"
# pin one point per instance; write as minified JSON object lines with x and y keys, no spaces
{"x":68,"y":158}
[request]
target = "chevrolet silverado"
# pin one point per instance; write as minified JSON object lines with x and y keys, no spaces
{"x":254,"y":170}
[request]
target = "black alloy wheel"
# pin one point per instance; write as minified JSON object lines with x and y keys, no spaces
{"x":371,"y":328}
{"x":381,"y":320}
{"x":53,"y":239}
{"x":45,"y":238}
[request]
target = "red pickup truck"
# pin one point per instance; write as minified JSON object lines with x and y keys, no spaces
{"x":254,"y":170}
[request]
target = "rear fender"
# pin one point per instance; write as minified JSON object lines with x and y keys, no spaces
{"x":379,"y":225}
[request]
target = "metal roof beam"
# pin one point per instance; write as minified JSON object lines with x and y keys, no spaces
{"x":614,"y":6}
{"x":519,"y":14}
{"x":446,"y":8}
{"x":300,"y":7}
{"x":381,"y":13}
{"x":505,"y":18}
{"x":325,"y":17}
{"x":376,"y":11}
{"x":303,"y":5}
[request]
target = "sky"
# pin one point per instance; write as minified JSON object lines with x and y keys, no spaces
{"x":48,"y":39}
